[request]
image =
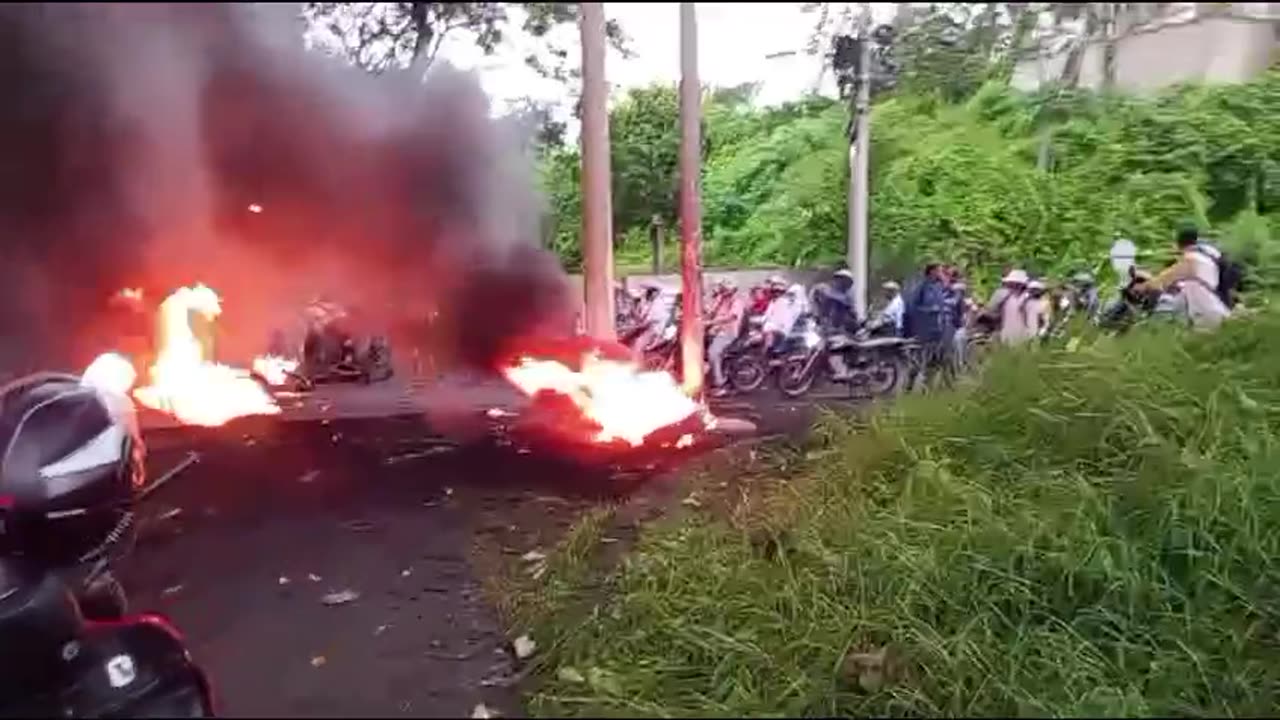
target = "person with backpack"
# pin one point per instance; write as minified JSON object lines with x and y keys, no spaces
{"x":1198,"y":271}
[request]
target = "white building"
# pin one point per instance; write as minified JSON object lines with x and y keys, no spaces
{"x":1154,"y":45}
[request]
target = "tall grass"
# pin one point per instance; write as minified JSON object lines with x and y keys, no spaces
{"x":1077,"y":533}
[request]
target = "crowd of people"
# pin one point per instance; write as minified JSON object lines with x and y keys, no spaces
{"x":936,"y":310}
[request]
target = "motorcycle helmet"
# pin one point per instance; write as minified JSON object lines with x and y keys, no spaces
{"x":39,"y":625}
{"x":71,"y":460}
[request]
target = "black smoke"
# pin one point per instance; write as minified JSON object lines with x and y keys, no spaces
{"x":135,"y":139}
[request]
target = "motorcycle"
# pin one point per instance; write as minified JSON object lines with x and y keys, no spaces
{"x":873,"y":365}
{"x":1135,"y":304}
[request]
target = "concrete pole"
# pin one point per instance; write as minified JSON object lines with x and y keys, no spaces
{"x":859,"y":258}
{"x":658,"y":238}
{"x":597,"y":211}
{"x":691,"y":330}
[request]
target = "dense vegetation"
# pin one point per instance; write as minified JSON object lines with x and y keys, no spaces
{"x":956,"y":180}
{"x":1080,"y":533}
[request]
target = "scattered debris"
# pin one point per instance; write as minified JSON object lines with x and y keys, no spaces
{"x":191,"y":459}
{"x":171,"y":590}
{"x":533,"y":556}
{"x":284,"y":580}
{"x":524,"y":646}
{"x":313,"y":577}
{"x":406,"y":572}
{"x":482,"y":712}
{"x":395,"y":459}
{"x":309,"y":476}
{"x":358,"y":526}
{"x":170,"y":514}
{"x":340,"y":598}
{"x":250,"y":441}
{"x":318,"y":660}
{"x":568,"y":674}
{"x":448,"y":492}
{"x":380,"y":629}
{"x":691,"y":501}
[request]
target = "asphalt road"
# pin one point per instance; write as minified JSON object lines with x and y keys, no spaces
{"x":250,"y":549}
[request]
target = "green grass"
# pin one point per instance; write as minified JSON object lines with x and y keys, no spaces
{"x":1075,"y":533}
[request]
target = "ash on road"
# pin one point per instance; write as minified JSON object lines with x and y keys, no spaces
{"x":252,"y":551}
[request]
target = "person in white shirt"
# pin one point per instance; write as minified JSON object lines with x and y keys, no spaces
{"x":1036,"y":309}
{"x":783,"y":313}
{"x":1006,"y":303}
{"x":895,"y":308}
{"x":1196,"y":273}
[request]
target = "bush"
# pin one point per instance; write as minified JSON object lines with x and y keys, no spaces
{"x":1077,"y":533}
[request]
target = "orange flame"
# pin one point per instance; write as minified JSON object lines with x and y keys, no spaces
{"x":188,"y":385}
{"x":626,"y":402}
{"x":274,"y":369}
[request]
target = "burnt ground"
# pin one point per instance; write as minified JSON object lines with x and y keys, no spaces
{"x":241,"y":548}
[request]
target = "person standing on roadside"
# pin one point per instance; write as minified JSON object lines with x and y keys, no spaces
{"x":925,"y":317}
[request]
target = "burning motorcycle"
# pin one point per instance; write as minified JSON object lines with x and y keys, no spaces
{"x":872,"y":366}
{"x":67,"y":487}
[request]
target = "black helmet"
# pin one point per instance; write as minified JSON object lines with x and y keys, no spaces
{"x":71,"y":459}
{"x":40,"y":624}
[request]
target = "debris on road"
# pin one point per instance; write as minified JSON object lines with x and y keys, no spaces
{"x":309,"y":476}
{"x":533,"y":556}
{"x":358,"y":525}
{"x":483,"y":712}
{"x":283,"y":580}
{"x":340,"y":598}
{"x":381,"y":629}
{"x":524,"y":646}
{"x":171,"y":590}
{"x":170,"y":514}
{"x":317,"y":661}
{"x":192,"y":458}
{"x":313,"y":577}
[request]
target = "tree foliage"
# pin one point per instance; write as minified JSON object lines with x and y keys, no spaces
{"x":383,"y":36}
{"x":951,"y":181}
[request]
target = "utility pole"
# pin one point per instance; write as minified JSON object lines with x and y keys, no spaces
{"x":597,"y":211}
{"x":691,"y":330}
{"x":657,"y":238}
{"x":859,"y":258}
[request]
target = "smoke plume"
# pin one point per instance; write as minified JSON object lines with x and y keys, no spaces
{"x":138,"y":141}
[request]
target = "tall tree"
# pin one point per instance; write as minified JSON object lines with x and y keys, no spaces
{"x":383,"y":36}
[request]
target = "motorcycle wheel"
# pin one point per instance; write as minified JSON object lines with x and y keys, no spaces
{"x":746,"y":373}
{"x":793,"y":378}
{"x":882,"y":377}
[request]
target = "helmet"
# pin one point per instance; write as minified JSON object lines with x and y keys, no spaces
{"x":844,"y":273}
{"x":1083,"y":278}
{"x":891,"y":286}
{"x":1036,"y":286}
{"x":71,"y":459}
{"x":776,"y":282}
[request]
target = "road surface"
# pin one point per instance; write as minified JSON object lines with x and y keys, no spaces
{"x":353,"y":492}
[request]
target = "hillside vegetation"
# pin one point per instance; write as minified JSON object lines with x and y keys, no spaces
{"x":955,"y":181}
{"x":1075,"y":533}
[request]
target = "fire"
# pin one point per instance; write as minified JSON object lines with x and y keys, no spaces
{"x":627,"y":403}
{"x":184,"y":382}
{"x":274,"y":369}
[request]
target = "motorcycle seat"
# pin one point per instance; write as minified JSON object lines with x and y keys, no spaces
{"x":880,"y":342}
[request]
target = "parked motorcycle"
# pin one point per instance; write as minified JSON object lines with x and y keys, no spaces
{"x":873,"y":366}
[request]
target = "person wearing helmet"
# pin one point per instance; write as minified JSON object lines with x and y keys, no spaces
{"x":657,"y":312}
{"x":71,"y":464}
{"x":728,"y":310}
{"x":889,"y":319}
{"x":833,"y":302}
{"x":782,"y":315}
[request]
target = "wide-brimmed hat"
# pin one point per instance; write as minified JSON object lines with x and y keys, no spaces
{"x":1016,"y":277}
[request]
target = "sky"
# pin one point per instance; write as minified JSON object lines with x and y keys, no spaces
{"x":734,"y":42}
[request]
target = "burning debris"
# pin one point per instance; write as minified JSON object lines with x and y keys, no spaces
{"x":593,"y":394}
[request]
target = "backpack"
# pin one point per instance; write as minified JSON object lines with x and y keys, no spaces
{"x":1230,"y":277}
